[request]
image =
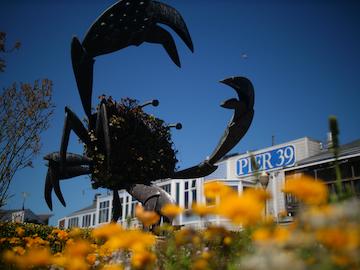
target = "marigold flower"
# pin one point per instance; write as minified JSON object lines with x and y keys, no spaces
{"x":78,"y":248}
{"x":200,"y":264}
{"x":339,"y":238}
{"x":242,"y":210}
{"x":14,"y":240}
{"x":258,"y":193}
{"x":61,"y":234}
{"x":261,"y":234}
{"x":307,"y":189}
{"x":202,"y":209}
{"x":20,"y":231}
{"x":130,"y":239}
{"x":214,"y":189}
{"x":147,"y":218}
{"x":91,"y":258}
{"x":19,"y":250}
{"x":227,"y":240}
{"x":143,"y":260}
{"x":35,"y":257}
{"x":106,"y":231}
{"x":171,"y":210}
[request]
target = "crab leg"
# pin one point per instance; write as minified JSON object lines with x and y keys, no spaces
{"x":116,"y":206}
{"x":74,"y":167}
{"x":243,"y":114}
{"x":72,"y":122}
{"x":238,"y":126}
{"x":102,"y":124}
{"x":83,"y":66}
{"x":152,"y":198}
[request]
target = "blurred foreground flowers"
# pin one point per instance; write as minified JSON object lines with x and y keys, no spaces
{"x":323,"y":236}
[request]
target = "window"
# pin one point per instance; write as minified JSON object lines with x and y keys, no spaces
{"x":121,"y":208}
{"x":86,"y":221}
{"x":126,"y":206}
{"x":177,"y":193}
{"x":190,"y":194}
{"x":133,"y":204}
{"x":104,"y":212}
{"x":73,"y":222}
{"x":62,"y":224}
{"x":93,"y":220}
{"x":167,"y":188}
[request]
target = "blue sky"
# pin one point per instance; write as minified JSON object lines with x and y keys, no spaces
{"x":303,"y":59}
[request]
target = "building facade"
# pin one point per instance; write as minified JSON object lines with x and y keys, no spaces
{"x":240,"y":172}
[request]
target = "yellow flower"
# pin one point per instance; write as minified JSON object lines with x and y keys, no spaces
{"x":143,"y":260}
{"x":62,"y":235}
{"x":171,"y":210}
{"x":214,"y":189}
{"x":307,"y":189}
{"x":227,"y":240}
{"x":147,"y":218}
{"x":112,"y":267}
{"x":78,"y":248}
{"x":339,"y":238}
{"x":20,"y":231}
{"x":106,"y":231}
{"x":261,"y":235}
{"x":19,"y":250}
{"x":341,"y":260}
{"x":130,"y":239}
{"x":35,"y":257}
{"x":91,"y":258}
{"x":14,"y":240}
{"x":200,"y":264}
{"x":278,"y":235}
{"x":202,"y":209}
{"x":242,"y":210}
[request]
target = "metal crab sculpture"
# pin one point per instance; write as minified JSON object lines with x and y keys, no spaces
{"x":132,"y":22}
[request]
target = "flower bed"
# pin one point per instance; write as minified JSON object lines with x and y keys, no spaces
{"x":323,"y":236}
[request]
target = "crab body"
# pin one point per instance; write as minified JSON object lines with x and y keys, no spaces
{"x":126,"y":148}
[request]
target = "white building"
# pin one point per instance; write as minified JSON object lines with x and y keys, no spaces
{"x":235,"y":170}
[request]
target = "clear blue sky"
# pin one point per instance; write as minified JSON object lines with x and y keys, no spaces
{"x":303,"y":59}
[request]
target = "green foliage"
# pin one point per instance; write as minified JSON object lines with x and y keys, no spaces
{"x":142,"y":149}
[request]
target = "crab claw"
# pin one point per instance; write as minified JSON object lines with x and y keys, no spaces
{"x":75,"y":165}
{"x":133,"y":22}
{"x":52,"y":183}
{"x":243,"y":114}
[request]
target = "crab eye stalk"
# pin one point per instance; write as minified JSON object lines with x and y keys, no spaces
{"x":153,"y":102}
{"x":176,"y":125}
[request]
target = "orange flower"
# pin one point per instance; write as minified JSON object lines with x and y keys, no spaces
{"x":147,"y":218}
{"x":214,"y":189}
{"x":242,"y":210}
{"x":106,"y":231}
{"x":143,"y":260}
{"x":339,"y":238}
{"x":258,"y":193}
{"x":171,"y":210}
{"x":20,"y":231}
{"x":307,"y":189}
{"x":202,"y":209}
{"x":91,"y":258}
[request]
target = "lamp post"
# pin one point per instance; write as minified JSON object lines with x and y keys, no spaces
{"x":24,"y":195}
{"x":264,"y":181}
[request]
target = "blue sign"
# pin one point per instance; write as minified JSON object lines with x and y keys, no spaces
{"x":280,"y":157}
